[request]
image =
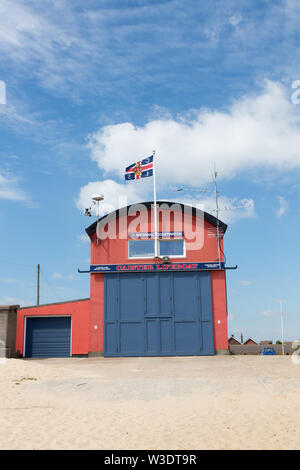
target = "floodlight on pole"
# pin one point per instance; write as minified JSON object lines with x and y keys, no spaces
{"x":97,"y":197}
{"x":281,"y":321}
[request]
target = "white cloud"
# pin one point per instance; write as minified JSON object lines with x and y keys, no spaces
{"x":71,"y":277}
{"x":231,"y":317}
{"x":120,"y":195}
{"x":283,"y":206}
{"x":31,"y":35}
{"x":257,"y":131}
{"x":16,"y":301}
{"x":234,"y":20}
{"x":116,"y":195}
{"x":231,"y":209}
{"x":8,"y":280}
{"x":84,"y":238}
{"x":70,"y":49}
{"x":9,"y":189}
{"x":268,"y":313}
{"x":18,"y":116}
{"x":57,"y":276}
{"x":245,"y":283}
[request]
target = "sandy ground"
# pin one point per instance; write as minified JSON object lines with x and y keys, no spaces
{"x":229,"y":402}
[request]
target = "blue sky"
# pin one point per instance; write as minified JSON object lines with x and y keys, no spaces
{"x":93,"y":86}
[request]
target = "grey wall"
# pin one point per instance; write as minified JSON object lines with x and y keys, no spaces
{"x":8,"y":325}
{"x":253,"y":349}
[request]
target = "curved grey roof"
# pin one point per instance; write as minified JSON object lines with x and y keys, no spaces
{"x":208,"y":217}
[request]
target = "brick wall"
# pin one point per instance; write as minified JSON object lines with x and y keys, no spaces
{"x":255,"y":349}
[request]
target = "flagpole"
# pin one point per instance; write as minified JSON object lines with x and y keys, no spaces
{"x":155,"y":209}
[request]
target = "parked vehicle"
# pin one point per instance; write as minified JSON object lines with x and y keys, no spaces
{"x":267,"y":351}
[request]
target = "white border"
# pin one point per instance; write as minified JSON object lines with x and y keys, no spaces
{"x":44,"y":316}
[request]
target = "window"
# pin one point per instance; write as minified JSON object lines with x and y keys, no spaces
{"x":141,"y":248}
{"x":145,"y":248}
{"x":171,"y":247}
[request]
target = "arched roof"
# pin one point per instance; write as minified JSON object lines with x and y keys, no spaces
{"x":208,"y":217}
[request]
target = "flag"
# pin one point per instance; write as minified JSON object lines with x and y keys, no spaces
{"x":141,"y":169}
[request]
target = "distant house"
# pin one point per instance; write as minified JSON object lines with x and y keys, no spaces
{"x":250,"y":342}
{"x":233,"y":341}
{"x":266,"y":342}
{"x":251,"y":347}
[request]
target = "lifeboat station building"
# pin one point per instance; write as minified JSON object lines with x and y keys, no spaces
{"x":152,"y":293}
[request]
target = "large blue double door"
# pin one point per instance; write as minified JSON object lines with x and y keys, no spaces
{"x":158,"y":314}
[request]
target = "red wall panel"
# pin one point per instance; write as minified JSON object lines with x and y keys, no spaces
{"x":80,"y":312}
{"x":219,"y":307}
{"x":115,"y":251}
{"x":97,"y":313}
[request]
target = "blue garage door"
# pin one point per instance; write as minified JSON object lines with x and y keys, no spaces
{"x":158,"y":314}
{"x":48,"y":337}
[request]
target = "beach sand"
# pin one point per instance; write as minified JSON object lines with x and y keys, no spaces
{"x":218,"y":402}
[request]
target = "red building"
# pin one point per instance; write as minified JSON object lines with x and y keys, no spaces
{"x":139,"y":305}
{"x":250,"y":342}
{"x":233,"y":341}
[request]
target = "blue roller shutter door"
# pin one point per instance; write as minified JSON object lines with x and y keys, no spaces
{"x":48,"y":337}
{"x":158,"y":314}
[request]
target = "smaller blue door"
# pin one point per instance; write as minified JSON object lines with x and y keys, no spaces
{"x":48,"y":337}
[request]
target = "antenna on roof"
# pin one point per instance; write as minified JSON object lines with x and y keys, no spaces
{"x":219,"y":232}
{"x":38,"y":285}
{"x":217,"y":213}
